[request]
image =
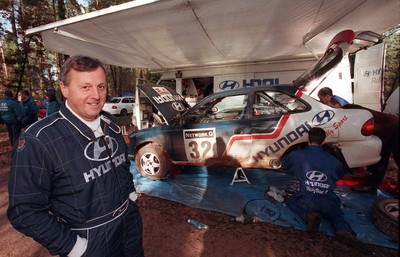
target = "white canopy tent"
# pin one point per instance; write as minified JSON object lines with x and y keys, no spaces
{"x":178,"y":34}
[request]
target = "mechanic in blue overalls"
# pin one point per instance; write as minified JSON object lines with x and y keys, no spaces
{"x":317,"y":172}
{"x":11,"y":115}
{"x":70,"y":187}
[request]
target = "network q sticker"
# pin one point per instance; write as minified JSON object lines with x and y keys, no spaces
{"x":200,"y":144}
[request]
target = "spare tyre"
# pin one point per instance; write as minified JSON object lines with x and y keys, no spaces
{"x":385,"y":215}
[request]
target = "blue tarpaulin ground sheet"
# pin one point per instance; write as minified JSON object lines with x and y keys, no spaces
{"x":211,"y":189}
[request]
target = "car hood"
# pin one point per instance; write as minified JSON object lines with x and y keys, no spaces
{"x":346,"y":41}
{"x":166,"y":100}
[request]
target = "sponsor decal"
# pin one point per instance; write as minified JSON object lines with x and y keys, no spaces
{"x":233,"y":84}
{"x":103,"y":168}
{"x":166,"y":98}
{"x":284,"y":141}
{"x":229,"y":84}
{"x":97,"y":151}
{"x":178,"y":106}
{"x":323,"y":117}
{"x":337,"y":125}
{"x":161,"y":90}
{"x":373,"y":72}
{"x":315,"y":184}
{"x":315,"y":175}
{"x":260,"y":82}
{"x":200,"y":144}
{"x":3,"y":107}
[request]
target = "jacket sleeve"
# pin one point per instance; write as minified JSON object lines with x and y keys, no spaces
{"x":30,"y":190}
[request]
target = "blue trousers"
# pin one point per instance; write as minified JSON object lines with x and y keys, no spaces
{"x":14,"y":130}
{"x":390,"y":145}
{"x":327,"y":205}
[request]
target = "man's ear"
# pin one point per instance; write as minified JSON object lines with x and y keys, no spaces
{"x":64,"y":89}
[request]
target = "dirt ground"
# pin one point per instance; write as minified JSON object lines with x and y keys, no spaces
{"x":167,"y":233}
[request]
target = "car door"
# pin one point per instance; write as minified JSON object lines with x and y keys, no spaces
{"x":277,"y":122}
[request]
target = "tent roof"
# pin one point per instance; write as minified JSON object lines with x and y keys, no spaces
{"x":178,"y":34}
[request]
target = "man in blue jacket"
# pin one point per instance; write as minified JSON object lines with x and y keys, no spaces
{"x":70,"y":186}
{"x":317,"y":172}
{"x":29,"y":108}
{"x":11,"y":115}
{"x":327,"y":97}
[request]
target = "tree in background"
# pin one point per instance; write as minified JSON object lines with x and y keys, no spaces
{"x":392,"y":65}
{"x":28,"y":65}
{"x":25,"y":64}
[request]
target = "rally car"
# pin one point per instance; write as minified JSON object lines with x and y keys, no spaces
{"x":252,"y":127}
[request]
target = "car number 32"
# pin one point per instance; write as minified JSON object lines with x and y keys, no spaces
{"x":200,"y":144}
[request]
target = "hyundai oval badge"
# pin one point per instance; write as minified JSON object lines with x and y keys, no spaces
{"x":231,"y":84}
{"x":323,"y":117}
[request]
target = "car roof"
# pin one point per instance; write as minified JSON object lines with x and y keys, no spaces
{"x":284,"y":87}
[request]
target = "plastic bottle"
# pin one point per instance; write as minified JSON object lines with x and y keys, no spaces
{"x":199,"y":225}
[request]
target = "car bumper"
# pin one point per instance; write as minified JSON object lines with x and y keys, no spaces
{"x":112,"y":111}
{"x":362,"y":153}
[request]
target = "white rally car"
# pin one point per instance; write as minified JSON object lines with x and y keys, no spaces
{"x":252,"y":127}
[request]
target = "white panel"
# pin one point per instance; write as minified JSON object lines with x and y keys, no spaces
{"x":368,"y":77}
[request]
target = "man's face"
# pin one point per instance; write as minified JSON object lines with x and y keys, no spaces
{"x":22,"y":97}
{"x":86,"y":92}
{"x":325,"y":99}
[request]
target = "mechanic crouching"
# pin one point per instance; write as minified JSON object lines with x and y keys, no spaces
{"x":317,"y":172}
{"x":70,"y":184}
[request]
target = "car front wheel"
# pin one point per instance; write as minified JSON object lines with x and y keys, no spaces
{"x":151,"y":162}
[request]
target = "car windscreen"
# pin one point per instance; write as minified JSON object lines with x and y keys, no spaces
{"x":114,"y":100}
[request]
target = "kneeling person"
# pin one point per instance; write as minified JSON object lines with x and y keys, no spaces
{"x":317,"y":172}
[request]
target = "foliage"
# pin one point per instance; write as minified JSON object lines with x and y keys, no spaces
{"x":392,"y":68}
{"x":25,"y":64}
{"x":153,"y":77}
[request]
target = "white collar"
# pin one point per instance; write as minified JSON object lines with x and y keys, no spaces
{"x":93,"y":125}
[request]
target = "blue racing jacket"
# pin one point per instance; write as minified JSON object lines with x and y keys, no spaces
{"x":316,"y":170}
{"x":62,"y":176}
{"x":10,"y":110}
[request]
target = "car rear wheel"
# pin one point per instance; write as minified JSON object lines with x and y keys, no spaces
{"x":151,"y":162}
{"x":124,"y":112}
{"x":385,"y":214}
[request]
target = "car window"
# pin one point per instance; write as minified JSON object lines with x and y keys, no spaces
{"x":114,"y":100}
{"x":273,"y":102}
{"x":221,"y":109}
{"x":125,"y":100}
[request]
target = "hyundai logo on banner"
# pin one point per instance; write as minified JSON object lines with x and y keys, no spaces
{"x":231,"y":84}
{"x":323,"y":117}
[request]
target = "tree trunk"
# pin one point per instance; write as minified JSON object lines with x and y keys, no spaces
{"x":3,"y":70}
